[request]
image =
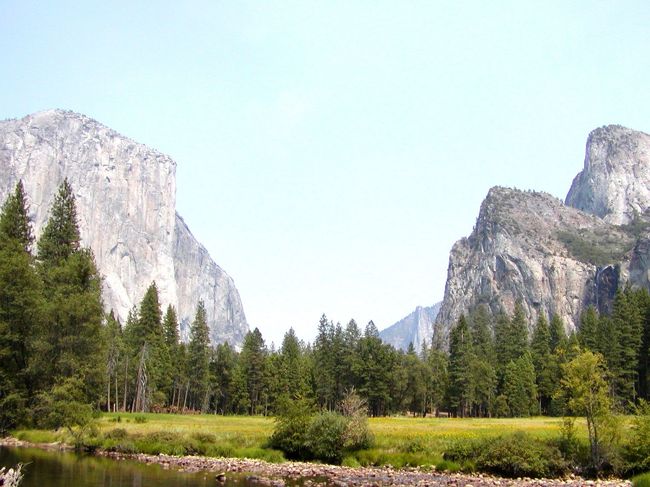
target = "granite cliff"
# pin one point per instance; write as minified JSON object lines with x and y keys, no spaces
{"x":558,"y":258}
{"x":415,"y":328}
{"x":126,"y":198}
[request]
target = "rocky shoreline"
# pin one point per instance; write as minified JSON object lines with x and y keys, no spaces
{"x":315,"y":475}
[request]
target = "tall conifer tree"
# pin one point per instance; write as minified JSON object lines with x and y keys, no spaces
{"x":69,"y":344}
{"x":198,"y":360}
{"x":20,"y":306}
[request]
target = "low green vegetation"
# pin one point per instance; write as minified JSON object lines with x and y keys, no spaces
{"x":642,"y":480}
{"x":536,"y":447}
{"x":598,"y":247}
{"x":303,"y":433}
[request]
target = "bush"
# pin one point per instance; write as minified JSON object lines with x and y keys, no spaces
{"x":326,"y":437}
{"x":12,"y":412}
{"x":116,"y":434}
{"x":637,"y":449}
{"x":517,"y":455}
{"x":290,"y":433}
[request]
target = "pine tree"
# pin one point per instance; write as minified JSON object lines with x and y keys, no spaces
{"x":14,"y":219}
{"x":375,"y":365}
{"x":519,"y":386}
{"x":69,"y":343}
{"x":172,"y":341}
{"x":199,"y":360}
{"x":483,"y":364}
{"x":415,"y":383}
{"x":323,"y":359}
{"x":461,"y":355}
{"x":115,"y":349}
{"x":437,"y":362}
{"x":147,"y":332}
{"x":587,"y":333}
{"x":292,"y":375}
{"x":481,"y":329}
{"x":558,"y":333}
{"x":351,"y":337}
{"x":511,"y":337}
{"x":252,"y":361}
{"x":20,"y":309}
{"x":60,"y":238}
{"x":627,"y":318}
{"x":222,"y":367}
{"x":543,"y":363}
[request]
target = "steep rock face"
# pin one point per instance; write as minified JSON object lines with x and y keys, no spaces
{"x":126,"y":198}
{"x":615,"y":181}
{"x":416,"y":328}
{"x":529,"y":246}
{"x":198,"y":275}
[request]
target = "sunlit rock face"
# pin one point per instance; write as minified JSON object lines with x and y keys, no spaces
{"x":416,"y":329}
{"x":126,"y":200}
{"x":615,"y":181}
{"x":558,"y":258}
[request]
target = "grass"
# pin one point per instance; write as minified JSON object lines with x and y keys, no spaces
{"x":642,"y":480}
{"x":398,"y":441}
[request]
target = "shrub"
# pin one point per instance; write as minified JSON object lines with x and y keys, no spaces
{"x":116,"y":434}
{"x":413,"y":445}
{"x":516,"y":455}
{"x":326,"y":437}
{"x":357,"y":436}
{"x":637,"y":449}
{"x":12,"y":411}
{"x":204,"y":437}
{"x":568,"y":442}
{"x":290,"y":433}
{"x":351,"y":462}
{"x":140,"y":419}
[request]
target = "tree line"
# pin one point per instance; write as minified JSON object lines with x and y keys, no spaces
{"x":59,"y":350}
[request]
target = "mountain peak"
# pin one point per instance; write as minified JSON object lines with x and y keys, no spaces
{"x":614,"y":183}
{"x":126,"y":204}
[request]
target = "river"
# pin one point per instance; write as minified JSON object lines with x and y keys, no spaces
{"x":47,"y":468}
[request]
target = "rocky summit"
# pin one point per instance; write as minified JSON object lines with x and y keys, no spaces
{"x":614,"y":183}
{"x":558,"y":258}
{"x":416,"y":328}
{"x":126,"y":203}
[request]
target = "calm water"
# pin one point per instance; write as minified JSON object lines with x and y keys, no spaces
{"x":59,"y":469}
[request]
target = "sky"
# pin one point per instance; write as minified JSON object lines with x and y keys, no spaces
{"x":330,"y":153}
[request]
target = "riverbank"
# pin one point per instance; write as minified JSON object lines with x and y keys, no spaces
{"x":315,"y":475}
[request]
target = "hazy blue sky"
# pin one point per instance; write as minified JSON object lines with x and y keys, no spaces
{"x":330,"y":153}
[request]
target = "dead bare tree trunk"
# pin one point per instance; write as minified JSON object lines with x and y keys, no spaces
{"x":126,"y":381}
{"x":140,"y":402}
{"x":117,"y":399}
{"x":187,"y":389}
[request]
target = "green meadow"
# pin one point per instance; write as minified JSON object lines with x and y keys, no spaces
{"x":398,"y":441}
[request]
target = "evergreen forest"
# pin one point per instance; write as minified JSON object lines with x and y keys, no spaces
{"x":62,"y":356}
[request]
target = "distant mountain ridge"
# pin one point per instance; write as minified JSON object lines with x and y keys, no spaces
{"x":126,"y":199}
{"x":415,"y":328}
{"x":556,"y":257}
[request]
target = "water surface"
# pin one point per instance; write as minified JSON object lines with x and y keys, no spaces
{"x":44,"y":468}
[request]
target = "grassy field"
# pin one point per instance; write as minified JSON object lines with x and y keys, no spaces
{"x":398,"y":441}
